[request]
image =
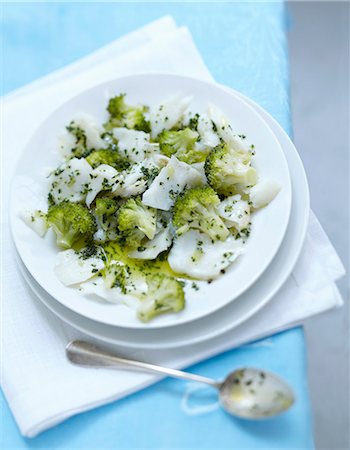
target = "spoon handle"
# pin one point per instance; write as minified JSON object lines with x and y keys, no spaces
{"x":86,"y":354}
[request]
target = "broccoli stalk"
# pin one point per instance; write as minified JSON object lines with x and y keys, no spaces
{"x":123,"y":115}
{"x":225,"y":167}
{"x":196,"y":209}
{"x":72,"y":223}
{"x":165,"y":294}
{"x":109,"y":157}
{"x":181,"y":144}
{"x":136,"y":221}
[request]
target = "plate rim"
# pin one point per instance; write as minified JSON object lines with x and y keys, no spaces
{"x":200,"y":315}
{"x":219,"y":331}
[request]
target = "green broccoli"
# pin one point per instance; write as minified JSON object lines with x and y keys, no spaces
{"x":80,"y":149}
{"x":224,"y":168}
{"x":136,"y":221}
{"x":72,"y":223}
{"x":181,"y":144}
{"x":132,"y":238}
{"x":105,"y":206}
{"x":106,"y":156}
{"x":123,"y":115}
{"x":196,"y":209}
{"x":165,"y":294}
{"x":105,"y":211}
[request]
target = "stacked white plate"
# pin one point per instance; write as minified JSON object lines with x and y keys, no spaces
{"x":272,"y":250}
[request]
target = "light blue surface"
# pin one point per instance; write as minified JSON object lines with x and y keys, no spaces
{"x":244,"y":46}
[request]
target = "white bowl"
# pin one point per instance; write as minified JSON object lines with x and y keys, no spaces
{"x":269,"y":224}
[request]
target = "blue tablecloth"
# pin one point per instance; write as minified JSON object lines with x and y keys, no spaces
{"x":244,"y":46}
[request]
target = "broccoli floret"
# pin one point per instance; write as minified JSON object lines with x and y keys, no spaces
{"x":196,"y":209}
{"x":132,"y":238}
{"x":165,"y":294}
{"x":105,"y":206}
{"x":224,"y":168}
{"x":134,"y":119}
{"x":110,"y":157}
{"x":72,"y":223}
{"x":104,"y":210}
{"x":80,"y":150}
{"x":181,"y":144}
{"x":136,"y":221}
{"x":123,"y":115}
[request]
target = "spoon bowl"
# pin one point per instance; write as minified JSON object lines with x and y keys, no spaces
{"x":252,"y":393}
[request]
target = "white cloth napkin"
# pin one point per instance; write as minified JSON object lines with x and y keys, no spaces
{"x":41,"y":387}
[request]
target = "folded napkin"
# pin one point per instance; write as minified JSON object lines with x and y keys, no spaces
{"x":41,"y":387}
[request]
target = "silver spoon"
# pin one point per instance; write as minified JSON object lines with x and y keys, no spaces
{"x":247,"y":393}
